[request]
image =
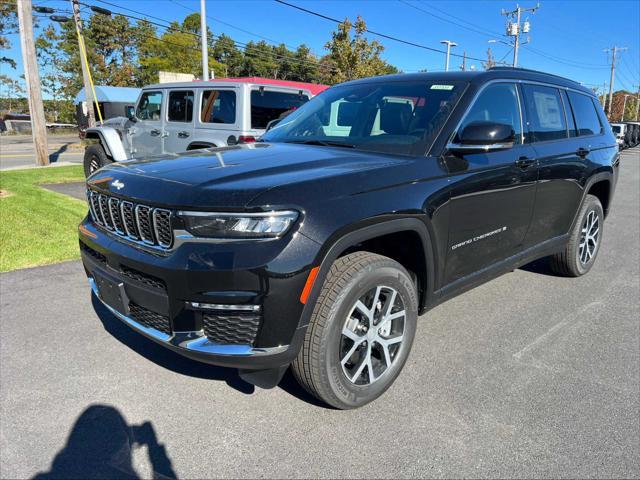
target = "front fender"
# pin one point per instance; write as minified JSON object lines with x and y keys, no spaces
{"x":110,"y":140}
{"x":375,"y":228}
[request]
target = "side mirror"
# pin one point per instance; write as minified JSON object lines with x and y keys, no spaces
{"x":484,"y":136}
{"x":130,"y":112}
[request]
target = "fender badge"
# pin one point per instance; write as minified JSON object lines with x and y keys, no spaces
{"x":118,"y":184}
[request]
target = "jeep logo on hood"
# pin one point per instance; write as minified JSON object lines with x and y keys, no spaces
{"x":117,"y":184}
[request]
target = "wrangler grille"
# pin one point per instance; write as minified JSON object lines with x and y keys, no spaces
{"x":133,"y":221}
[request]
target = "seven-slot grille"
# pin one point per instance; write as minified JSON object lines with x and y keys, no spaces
{"x":134,"y":221}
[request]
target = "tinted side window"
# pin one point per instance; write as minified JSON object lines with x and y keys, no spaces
{"x":497,"y":103}
{"x":586,"y":115}
{"x":267,"y":106}
{"x":180,"y":106}
{"x":218,"y":106}
{"x":149,"y":106}
{"x":545,"y":112}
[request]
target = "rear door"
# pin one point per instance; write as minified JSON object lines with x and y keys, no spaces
{"x":146,"y":135}
{"x":493,"y":192}
{"x":178,"y":129}
{"x":563,"y":138}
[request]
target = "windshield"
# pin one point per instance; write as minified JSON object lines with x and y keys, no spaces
{"x":616,"y":128}
{"x":394,"y":117}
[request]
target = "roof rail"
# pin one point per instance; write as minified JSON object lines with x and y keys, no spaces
{"x":502,"y":67}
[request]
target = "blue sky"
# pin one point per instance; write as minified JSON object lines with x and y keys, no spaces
{"x":567,"y":37}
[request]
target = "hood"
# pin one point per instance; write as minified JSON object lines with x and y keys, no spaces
{"x":230,"y":177}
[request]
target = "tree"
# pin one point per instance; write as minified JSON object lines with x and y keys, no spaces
{"x":491,"y":62}
{"x":355,"y":57}
{"x":306,"y":66}
{"x":176,"y":50}
{"x":259,"y":60}
{"x":228,"y":55}
{"x":13,"y":88}
{"x":50,"y":62}
{"x":8,"y":25}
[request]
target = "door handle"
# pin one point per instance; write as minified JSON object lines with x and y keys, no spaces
{"x":183,"y":134}
{"x":525,"y":162}
{"x":583,"y":152}
{"x":155,"y":132}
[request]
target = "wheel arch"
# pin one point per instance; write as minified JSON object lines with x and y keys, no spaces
{"x":197,"y":144}
{"x":110,"y":140}
{"x":364,"y":238}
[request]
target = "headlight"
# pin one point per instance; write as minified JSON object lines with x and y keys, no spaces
{"x":238,"y":225}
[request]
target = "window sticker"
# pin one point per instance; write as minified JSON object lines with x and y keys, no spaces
{"x":441,"y":87}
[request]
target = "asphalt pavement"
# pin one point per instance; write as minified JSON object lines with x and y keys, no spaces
{"x":530,"y":375}
{"x":16,"y":151}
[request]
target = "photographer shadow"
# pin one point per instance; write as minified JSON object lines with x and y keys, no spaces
{"x":101,"y":445}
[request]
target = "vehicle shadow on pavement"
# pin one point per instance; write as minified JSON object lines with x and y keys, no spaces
{"x":163,"y":356}
{"x":540,"y":266}
{"x":184,"y":366}
{"x":101,"y":445}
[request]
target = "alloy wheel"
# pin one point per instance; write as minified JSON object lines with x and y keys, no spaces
{"x":589,"y":236}
{"x":372,"y":335}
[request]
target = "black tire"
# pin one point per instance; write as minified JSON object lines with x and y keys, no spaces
{"x":94,"y":159}
{"x":318,"y":367}
{"x":570,"y":262}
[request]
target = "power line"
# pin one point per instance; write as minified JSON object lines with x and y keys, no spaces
{"x":234,"y":26}
{"x":569,"y":63}
{"x":244,"y":46}
{"x":372,"y":32}
{"x":472,"y":29}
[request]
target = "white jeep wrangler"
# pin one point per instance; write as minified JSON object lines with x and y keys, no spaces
{"x":228,"y":111}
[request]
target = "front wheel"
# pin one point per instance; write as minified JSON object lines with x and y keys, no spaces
{"x":94,"y":159}
{"x":361,"y":331}
{"x":581,"y":251}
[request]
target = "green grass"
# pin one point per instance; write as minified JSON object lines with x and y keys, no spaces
{"x":38,"y":226}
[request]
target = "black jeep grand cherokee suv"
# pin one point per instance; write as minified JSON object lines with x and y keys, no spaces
{"x":319,"y":246}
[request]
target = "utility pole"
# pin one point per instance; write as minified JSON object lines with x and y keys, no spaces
{"x":86,"y":81}
{"x":463,"y":67}
{"x":203,"y":38}
{"x":32,"y":77}
{"x":614,"y":50}
{"x":514,"y":29}
{"x":449,"y":44}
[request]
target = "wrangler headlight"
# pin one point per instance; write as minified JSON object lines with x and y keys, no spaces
{"x":238,"y":225}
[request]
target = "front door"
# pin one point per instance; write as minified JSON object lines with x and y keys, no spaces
{"x":146,"y":134}
{"x":493,"y":192}
{"x":178,"y":128}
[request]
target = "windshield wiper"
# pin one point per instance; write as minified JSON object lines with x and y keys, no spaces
{"x":324,"y":143}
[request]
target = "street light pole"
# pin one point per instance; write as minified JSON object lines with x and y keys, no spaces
{"x":203,"y":38}
{"x":624,"y":105}
{"x":449,"y":44}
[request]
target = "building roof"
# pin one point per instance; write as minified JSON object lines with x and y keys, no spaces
{"x":312,"y":88}
{"x":112,"y":94}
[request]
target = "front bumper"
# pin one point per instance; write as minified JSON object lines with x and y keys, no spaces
{"x":194,"y":274}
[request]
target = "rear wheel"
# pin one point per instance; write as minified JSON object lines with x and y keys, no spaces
{"x":361,"y":331}
{"x":581,"y":251}
{"x":94,"y":159}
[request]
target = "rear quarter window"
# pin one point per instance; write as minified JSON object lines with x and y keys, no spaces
{"x":269,"y":105}
{"x":587,"y":120}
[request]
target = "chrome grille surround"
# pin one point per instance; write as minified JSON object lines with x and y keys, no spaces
{"x":135,"y":222}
